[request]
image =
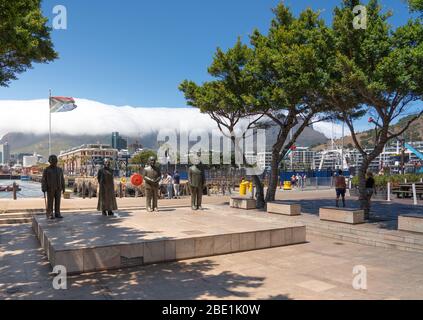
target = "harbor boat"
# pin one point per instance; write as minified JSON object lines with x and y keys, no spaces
{"x":25,"y":178}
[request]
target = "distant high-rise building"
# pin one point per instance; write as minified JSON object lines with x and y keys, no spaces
{"x":118,"y":142}
{"x":4,"y":153}
{"x":134,"y":147}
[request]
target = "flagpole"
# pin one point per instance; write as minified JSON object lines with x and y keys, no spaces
{"x":49,"y":123}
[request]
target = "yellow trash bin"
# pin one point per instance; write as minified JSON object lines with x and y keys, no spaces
{"x":287,"y":185}
{"x":243,"y":189}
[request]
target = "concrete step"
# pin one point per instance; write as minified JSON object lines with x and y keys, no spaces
{"x":379,"y":234}
{"x":371,"y":239}
{"x":7,"y":221}
{"x":16,"y":215}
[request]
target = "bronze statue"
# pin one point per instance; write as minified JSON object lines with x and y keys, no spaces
{"x":53,"y":183}
{"x":106,"y":196}
{"x":196,"y":180}
{"x":152,"y":177}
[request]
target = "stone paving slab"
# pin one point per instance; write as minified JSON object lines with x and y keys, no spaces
{"x":319,"y":270}
{"x":35,"y":205}
{"x":92,"y":242}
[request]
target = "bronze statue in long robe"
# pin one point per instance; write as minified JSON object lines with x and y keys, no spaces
{"x":106,"y":196}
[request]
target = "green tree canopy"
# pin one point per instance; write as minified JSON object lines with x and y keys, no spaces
{"x":142,"y":157}
{"x":277,"y":81}
{"x":416,"y":5}
{"x":377,"y":73}
{"x":24,"y":38}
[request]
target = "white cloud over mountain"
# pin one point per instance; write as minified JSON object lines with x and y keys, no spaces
{"x":31,"y":116}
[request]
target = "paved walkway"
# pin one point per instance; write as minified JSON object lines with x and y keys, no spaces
{"x":38,"y":205}
{"x":320,"y":269}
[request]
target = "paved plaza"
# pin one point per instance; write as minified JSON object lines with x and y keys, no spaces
{"x":321,"y":268}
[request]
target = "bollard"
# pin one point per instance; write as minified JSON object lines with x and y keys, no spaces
{"x":90,"y":190}
{"x":83,"y":190}
{"x":120,"y":190}
{"x":389,"y":192}
{"x":14,"y":191}
{"x":414,"y":194}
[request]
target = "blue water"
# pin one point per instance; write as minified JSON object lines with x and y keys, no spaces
{"x":29,"y":189}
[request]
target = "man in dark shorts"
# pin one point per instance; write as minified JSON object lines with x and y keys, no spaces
{"x":341,"y":188}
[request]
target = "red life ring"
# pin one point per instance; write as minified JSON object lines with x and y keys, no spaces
{"x":136,"y":180}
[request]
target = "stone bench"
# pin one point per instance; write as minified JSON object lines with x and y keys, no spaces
{"x":411,"y":222}
{"x":242,"y":203}
{"x":283,"y":208}
{"x":343,"y":215}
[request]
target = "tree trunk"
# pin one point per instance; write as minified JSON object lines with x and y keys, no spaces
{"x":259,"y":192}
{"x":362,"y":193}
{"x":273,"y":181}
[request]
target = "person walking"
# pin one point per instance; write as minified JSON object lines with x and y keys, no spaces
{"x":167,"y":182}
{"x":53,"y":183}
{"x":177,"y":184}
{"x":370,"y":190}
{"x":294,"y":181}
{"x":341,"y":188}
{"x":106,"y":196}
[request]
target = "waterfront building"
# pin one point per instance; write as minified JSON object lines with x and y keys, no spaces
{"x":389,"y":158}
{"x":29,"y":161}
{"x":83,"y":159}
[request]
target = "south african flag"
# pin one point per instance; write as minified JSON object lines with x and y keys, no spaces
{"x":62,"y":104}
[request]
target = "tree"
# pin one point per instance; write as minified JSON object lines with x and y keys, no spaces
{"x":377,"y":73}
{"x":416,"y":5}
{"x":276,"y":83}
{"x":227,"y":99}
{"x":24,"y":38}
{"x":290,"y":64}
{"x":142,"y":157}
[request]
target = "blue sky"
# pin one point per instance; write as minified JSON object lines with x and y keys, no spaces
{"x":136,"y":52}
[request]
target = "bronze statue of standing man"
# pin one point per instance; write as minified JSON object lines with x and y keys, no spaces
{"x":152,"y":177}
{"x":53,"y":183}
{"x":106,"y":196}
{"x":196,"y":180}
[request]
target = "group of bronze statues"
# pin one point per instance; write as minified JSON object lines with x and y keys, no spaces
{"x":53,"y":185}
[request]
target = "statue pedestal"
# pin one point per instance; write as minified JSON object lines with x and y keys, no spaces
{"x":90,"y":242}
